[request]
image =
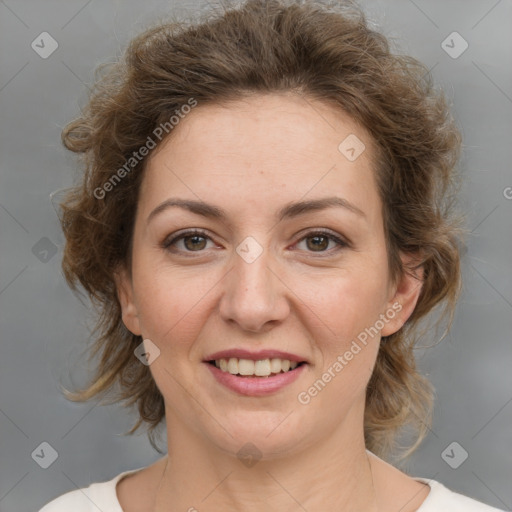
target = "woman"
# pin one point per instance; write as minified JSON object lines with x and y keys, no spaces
{"x":263,"y":221}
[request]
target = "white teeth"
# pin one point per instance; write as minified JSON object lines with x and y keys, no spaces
{"x":245,"y":367}
{"x":275,"y":365}
{"x":233,"y":366}
{"x":260,"y":368}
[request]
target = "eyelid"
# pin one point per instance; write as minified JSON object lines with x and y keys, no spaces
{"x":174,"y":237}
{"x":342,"y":241}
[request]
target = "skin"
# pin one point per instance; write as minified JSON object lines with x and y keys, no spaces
{"x":251,"y":158}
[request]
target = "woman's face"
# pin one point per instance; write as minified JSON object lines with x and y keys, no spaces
{"x":259,"y":282}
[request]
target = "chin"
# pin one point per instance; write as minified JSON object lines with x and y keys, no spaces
{"x":262,"y":434}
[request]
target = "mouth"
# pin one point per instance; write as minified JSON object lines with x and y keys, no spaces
{"x":255,"y":374}
{"x":265,"y":368}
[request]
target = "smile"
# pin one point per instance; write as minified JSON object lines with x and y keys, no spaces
{"x":251,"y":384}
{"x":258,"y":368}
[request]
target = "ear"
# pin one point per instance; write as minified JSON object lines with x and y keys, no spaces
{"x":404,"y":295}
{"x":126,"y":299}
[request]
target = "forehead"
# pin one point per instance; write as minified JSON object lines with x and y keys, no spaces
{"x":272,"y":148}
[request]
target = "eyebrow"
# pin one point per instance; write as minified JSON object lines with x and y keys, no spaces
{"x":289,"y":211}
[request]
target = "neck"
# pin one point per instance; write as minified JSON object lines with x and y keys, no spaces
{"x":334,"y":473}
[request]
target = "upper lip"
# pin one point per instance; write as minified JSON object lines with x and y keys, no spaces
{"x":254,"y":356}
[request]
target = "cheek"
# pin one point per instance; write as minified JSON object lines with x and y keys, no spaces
{"x":172,"y":302}
{"x":346,"y":302}
{"x":348,"y":348}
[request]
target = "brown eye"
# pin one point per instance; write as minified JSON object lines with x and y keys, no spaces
{"x":194,"y":242}
{"x":191,"y":241}
{"x":319,"y":241}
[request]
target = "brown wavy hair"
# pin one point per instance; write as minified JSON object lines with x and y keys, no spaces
{"x":322,"y":52}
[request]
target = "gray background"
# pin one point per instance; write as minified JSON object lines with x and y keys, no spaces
{"x":44,"y":326}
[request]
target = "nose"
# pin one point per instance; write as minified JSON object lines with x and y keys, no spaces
{"x":254,"y":297}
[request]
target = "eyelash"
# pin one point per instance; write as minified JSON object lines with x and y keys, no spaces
{"x":167,"y":243}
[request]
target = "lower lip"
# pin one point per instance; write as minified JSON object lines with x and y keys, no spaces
{"x":256,"y":386}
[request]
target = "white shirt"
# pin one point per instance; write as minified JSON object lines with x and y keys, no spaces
{"x":102,"y":496}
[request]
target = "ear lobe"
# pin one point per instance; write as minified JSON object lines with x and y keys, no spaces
{"x":405,"y":298}
{"x":126,"y":300}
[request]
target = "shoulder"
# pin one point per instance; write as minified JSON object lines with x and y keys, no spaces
{"x":74,"y":500}
{"x":441,"y":498}
{"x":98,"y":496}
{"x":398,"y":487}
